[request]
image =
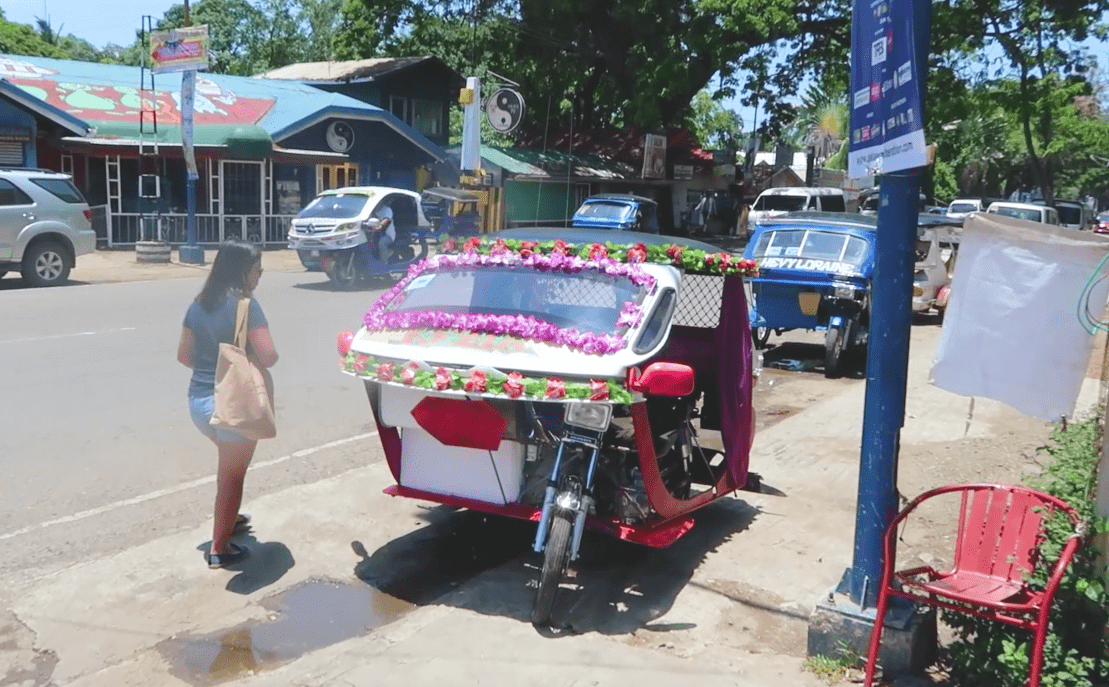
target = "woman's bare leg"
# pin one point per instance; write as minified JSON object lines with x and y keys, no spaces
{"x":233,"y":462}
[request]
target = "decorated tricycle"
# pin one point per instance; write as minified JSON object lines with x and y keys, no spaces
{"x":582,"y":379}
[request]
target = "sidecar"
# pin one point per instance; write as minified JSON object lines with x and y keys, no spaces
{"x":578,"y":378}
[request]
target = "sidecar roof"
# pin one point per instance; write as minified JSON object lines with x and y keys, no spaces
{"x":580,"y":235}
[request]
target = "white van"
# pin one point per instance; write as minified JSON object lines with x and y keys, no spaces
{"x":1027,"y":211}
{"x":775,"y":202}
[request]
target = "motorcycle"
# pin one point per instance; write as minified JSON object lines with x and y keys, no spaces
{"x":564,"y":376}
{"x":350,"y":265}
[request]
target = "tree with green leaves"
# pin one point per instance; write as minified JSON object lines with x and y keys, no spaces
{"x":1038,"y":44}
{"x":611,"y":63}
{"x":715,"y":127}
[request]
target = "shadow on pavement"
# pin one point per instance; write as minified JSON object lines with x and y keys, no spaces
{"x":267,"y":563}
{"x":614,"y":587}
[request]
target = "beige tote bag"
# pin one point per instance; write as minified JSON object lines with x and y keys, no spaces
{"x":244,"y":389}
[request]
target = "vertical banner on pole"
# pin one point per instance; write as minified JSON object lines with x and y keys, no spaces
{"x":887,"y":122}
{"x":188,"y":98}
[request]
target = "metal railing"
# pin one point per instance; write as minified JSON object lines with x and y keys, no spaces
{"x":127,"y":228}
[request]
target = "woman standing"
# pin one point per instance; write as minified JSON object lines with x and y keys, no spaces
{"x":210,"y":321}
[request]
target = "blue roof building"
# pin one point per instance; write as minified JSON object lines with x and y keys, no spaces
{"x":264,"y":147}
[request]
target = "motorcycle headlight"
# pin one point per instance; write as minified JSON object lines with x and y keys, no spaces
{"x":843,"y":291}
{"x":346,"y":227}
{"x":595,"y":416}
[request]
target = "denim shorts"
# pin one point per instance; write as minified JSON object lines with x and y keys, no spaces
{"x":201,"y":408}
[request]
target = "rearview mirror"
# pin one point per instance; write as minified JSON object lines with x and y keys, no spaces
{"x":662,"y":379}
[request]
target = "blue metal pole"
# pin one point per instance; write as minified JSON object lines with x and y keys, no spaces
{"x":888,"y":351}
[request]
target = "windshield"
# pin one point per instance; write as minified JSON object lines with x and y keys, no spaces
{"x":957,"y":208}
{"x":602,"y":210}
{"x":586,"y":301}
{"x":1069,"y":214}
{"x":1030,"y":214}
{"x":780,"y":203}
{"x":813,"y":245}
{"x":336,"y":206}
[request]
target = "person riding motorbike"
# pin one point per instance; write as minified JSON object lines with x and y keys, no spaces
{"x":385,"y":233}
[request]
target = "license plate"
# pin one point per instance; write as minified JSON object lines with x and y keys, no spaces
{"x":313,"y":254}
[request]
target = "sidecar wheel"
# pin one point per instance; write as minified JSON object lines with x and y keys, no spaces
{"x":555,"y":556}
{"x":834,"y":343}
{"x":761,"y":336}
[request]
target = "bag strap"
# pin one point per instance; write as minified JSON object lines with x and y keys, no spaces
{"x":241,"y":322}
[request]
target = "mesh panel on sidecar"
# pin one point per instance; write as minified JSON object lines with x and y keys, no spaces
{"x":589,"y":293}
{"x":699,"y":301}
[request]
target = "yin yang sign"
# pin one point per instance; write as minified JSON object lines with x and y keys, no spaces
{"x":505,"y":109}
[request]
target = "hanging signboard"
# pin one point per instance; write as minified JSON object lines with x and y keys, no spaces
{"x":179,"y":50}
{"x":654,"y":157}
{"x":887,"y":123}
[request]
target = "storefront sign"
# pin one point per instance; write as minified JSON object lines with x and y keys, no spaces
{"x":887,"y":126}
{"x":654,"y":157}
{"x":683,"y":171}
{"x":179,"y":50}
{"x":15,"y":134}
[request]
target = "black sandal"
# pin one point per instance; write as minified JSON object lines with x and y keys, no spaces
{"x":242,"y":523}
{"x":236,"y":554}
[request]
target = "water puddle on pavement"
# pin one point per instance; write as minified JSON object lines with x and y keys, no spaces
{"x":310,"y":616}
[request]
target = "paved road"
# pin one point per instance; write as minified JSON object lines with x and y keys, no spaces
{"x":99,"y":451}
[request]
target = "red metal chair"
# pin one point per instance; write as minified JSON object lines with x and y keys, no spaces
{"x":996,"y":547}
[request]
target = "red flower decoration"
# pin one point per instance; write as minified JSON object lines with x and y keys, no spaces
{"x":499,"y":247}
{"x":476,"y":382}
{"x":709,"y":260}
{"x":597,"y":251}
{"x":514,"y":385}
{"x":598,"y":390}
{"x":442,"y":379}
{"x":527,"y":248}
{"x":408,"y":373}
{"x":471,"y":244}
{"x":451,"y":245}
{"x":675,"y":252}
{"x":637,"y":253}
{"x":560,"y":246}
{"x":360,"y":363}
{"x":725,"y":261}
{"x":344,"y":341}
{"x":385,"y":372}
{"x":556,"y":388}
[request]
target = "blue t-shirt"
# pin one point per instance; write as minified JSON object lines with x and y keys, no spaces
{"x":210,"y":329}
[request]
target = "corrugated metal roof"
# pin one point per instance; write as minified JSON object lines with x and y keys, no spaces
{"x":348,"y":70}
{"x":554,"y":163}
{"x":108,"y":94}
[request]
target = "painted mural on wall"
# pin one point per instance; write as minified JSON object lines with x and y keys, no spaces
{"x":94,"y":102}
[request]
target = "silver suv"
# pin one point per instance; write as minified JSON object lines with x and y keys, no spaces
{"x":45,"y":224}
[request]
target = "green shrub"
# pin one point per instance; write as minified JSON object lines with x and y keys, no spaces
{"x":992,"y":653}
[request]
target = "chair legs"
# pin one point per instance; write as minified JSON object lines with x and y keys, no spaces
{"x":1036,"y":658}
{"x":876,"y":636}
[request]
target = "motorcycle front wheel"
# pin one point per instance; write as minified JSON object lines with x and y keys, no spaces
{"x":556,"y":554}
{"x":835,"y":340}
{"x":343,"y":271}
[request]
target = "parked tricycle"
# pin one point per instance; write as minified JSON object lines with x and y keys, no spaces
{"x":564,"y":376}
{"x":815,"y":272}
{"x":452,"y":211}
{"x":937,"y":246}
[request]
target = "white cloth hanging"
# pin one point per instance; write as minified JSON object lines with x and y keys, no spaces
{"x":1011,"y":332}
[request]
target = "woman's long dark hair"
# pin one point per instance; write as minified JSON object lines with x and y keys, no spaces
{"x":230,"y":271}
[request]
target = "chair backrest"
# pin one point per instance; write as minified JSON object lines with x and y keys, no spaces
{"x":1000,"y":529}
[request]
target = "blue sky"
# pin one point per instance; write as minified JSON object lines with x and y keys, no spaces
{"x":97,"y":21}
